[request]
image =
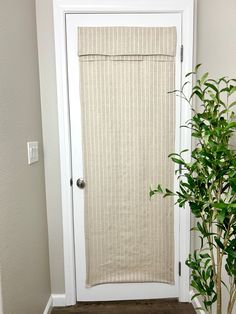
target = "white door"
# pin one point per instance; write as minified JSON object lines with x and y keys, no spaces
{"x":114,"y":291}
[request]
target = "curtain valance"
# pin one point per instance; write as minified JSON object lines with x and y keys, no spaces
{"x":127,"y":41}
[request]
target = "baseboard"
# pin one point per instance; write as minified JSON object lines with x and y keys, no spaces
{"x":196,"y":302}
{"x":59,"y":299}
{"x":48,"y":307}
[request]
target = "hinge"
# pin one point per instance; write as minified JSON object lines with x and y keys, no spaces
{"x":180,"y":168}
{"x":182,"y":53}
{"x":179,"y":268}
{"x":71,"y":181}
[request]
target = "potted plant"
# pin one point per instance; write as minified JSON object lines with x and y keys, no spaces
{"x":208,"y":185}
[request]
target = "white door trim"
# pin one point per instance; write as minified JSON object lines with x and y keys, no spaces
{"x":60,"y":9}
{"x":115,"y":291}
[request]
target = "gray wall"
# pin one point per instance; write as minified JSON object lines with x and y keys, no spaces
{"x":216,"y":49}
{"x":23,"y":223}
{"x":51,"y":141}
{"x":216,"y":40}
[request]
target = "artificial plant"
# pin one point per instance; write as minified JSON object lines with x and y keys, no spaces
{"x":208,"y":185}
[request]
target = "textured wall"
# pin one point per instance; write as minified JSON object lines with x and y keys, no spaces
{"x":23,"y":224}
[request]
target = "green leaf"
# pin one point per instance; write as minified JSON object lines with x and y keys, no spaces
{"x":232,"y":183}
{"x":204,"y":77}
{"x":201,"y":228}
{"x":219,"y":243}
{"x":221,"y":205}
{"x":197,"y":67}
{"x":231,"y":125}
{"x":232,"y":253}
{"x":184,"y":151}
{"x":199,"y":94}
{"x":232,"y":104}
{"x":205,"y":255}
{"x":211,"y":86}
{"x":159,"y":189}
{"x":186,"y":83}
{"x":221,"y":215}
{"x":174,"y":91}
{"x":223,"y":79}
{"x":178,"y":161}
{"x":214,"y":298}
{"x":189,"y":73}
{"x":155,"y":191}
{"x":202,"y":243}
{"x":173,"y":154}
{"x":195,"y":295}
{"x":207,"y":262}
{"x":151,"y":193}
{"x":225,"y":89}
{"x":232,"y":90}
{"x":169,"y":193}
{"x":223,"y":112}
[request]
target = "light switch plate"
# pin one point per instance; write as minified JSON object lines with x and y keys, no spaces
{"x":33,"y":152}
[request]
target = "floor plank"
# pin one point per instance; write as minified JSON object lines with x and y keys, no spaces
{"x":163,"y":306}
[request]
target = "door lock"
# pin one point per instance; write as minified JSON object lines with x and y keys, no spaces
{"x":80,"y":183}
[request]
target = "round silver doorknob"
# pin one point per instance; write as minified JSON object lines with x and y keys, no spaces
{"x":80,"y":183}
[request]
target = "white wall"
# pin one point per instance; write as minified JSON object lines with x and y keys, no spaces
{"x":216,"y":49}
{"x":24,"y":258}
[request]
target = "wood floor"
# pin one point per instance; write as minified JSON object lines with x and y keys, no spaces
{"x":128,"y":307}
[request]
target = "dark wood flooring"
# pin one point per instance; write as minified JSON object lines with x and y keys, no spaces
{"x":162,"y":306}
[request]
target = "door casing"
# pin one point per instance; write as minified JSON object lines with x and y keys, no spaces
{"x":60,"y":9}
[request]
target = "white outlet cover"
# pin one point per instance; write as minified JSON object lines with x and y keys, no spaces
{"x":33,"y":152}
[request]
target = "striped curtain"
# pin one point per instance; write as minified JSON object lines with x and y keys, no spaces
{"x":128,"y":123}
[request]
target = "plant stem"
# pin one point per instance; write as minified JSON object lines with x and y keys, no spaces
{"x":231,"y":301}
{"x":232,"y":294}
{"x":218,"y":277}
{"x":210,"y":241}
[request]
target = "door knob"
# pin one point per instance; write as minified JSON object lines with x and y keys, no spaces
{"x":80,"y":183}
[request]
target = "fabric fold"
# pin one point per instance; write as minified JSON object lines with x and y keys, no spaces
{"x":119,"y":41}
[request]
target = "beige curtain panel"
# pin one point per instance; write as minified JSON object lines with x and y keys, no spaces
{"x":128,"y":124}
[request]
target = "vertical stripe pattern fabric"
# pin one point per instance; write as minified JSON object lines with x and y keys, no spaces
{"x":128,"y":124}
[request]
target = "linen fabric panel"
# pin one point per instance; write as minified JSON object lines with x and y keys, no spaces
{"x":128,"y":127}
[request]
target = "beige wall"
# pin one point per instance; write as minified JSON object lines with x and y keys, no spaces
{"x":216,"y":49}
{"x":23,"y":224}
{"x":216,"y":40}
{"x":51,"y":141}
{"x":216,"y":45}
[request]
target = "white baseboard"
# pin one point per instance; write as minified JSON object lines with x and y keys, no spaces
{"x":59,"y":299}
{"x":196,"y":302}
{"x":48,"y":307}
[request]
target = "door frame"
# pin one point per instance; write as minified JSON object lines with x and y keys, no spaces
{"x":60,"y":9}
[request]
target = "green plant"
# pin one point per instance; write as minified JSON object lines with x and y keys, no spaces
{"x":208,"y":185}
